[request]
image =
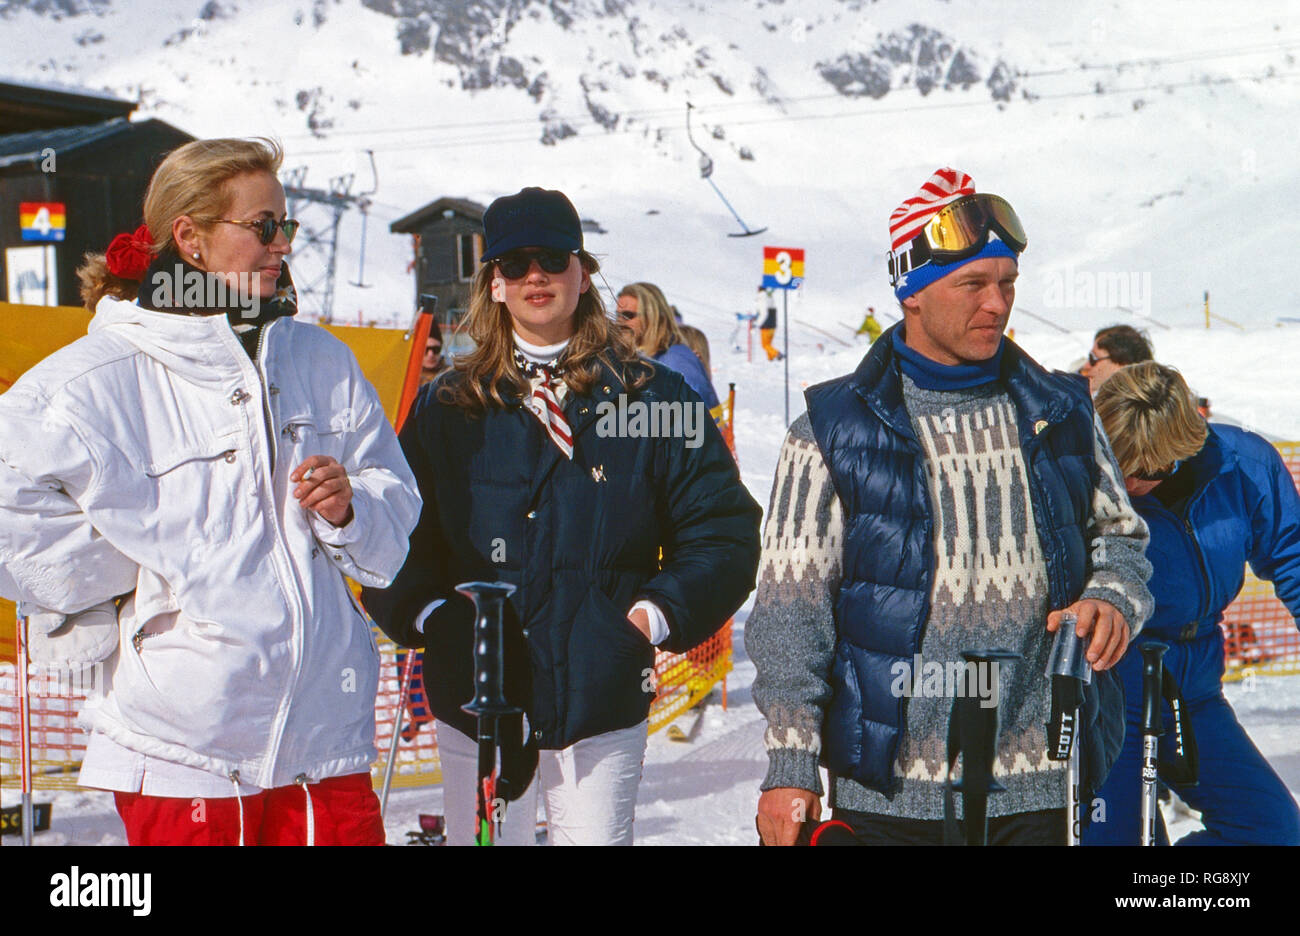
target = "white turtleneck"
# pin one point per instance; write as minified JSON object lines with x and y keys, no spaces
{"x":540,"y":354}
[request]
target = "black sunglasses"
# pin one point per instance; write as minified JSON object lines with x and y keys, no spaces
{"x":265,"y":228}
{"x":1093,"y":359}
{"x":436,"y":349}
{"x":627,"y":314}
{"x":516,"y":263}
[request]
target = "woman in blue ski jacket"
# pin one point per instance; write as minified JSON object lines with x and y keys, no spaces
{"x":1215,"y":497}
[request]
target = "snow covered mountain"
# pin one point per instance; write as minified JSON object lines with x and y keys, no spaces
{"x":1142,"y":143}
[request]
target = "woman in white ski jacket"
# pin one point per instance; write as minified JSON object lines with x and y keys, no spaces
{"x":218,"y":468}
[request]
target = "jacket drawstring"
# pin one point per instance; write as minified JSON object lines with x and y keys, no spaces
{"x":239,"y":800}
{"x":302,"y":780}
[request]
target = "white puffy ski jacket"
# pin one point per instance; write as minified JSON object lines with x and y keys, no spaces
{"x":138,"y":459}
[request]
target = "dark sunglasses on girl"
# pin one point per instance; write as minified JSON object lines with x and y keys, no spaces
{"x":516,"y":263}
{"x":1093,"y":360}
{"x":265,"y":227}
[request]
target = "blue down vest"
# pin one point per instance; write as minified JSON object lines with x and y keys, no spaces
{"x":877,"y":467}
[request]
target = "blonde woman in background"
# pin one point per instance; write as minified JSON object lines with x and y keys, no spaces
{"x":1215,"y":498}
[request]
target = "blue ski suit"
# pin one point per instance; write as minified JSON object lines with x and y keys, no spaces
{"x":1233,"y":502}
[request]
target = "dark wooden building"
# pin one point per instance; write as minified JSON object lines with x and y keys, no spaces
{"x":82,"y":150}
{"x":449,"y":245}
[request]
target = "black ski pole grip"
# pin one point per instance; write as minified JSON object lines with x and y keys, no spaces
{"x":489,"y":647}
{"x":1152,"y":675}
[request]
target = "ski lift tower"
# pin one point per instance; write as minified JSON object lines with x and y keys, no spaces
{"x":315,"y":251}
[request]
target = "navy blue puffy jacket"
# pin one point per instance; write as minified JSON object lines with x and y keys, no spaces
{"x":580,"y":541}
{"x":877,"y":466}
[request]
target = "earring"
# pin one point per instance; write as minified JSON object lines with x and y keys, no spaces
{"x":196,"y":255}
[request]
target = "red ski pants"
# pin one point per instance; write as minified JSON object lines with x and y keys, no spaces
{"x":343,"y":810}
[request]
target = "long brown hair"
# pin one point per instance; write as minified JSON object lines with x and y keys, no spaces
{"x":1150,"y":418}
{"x":192,"y":180}
{"x":486,"y":375}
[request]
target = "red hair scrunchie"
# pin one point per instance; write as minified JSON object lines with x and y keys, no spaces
{"x":129,"y":255}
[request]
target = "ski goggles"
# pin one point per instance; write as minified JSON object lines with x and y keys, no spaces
{"x":265,"y":228}
{"x":515,"y":264}
{"x":958,"y":231}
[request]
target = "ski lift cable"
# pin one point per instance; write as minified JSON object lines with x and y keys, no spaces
{"x":641,"y":114}
{"x":423,"y":145}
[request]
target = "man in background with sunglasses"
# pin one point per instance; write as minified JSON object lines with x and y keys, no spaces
{"x":948,"y":495}
{"x":1114,"y":347}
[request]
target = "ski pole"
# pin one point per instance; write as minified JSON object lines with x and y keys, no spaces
{"x":973,"y":733}
{"x":1152,"y":728}
{"x":24,"y":728}
{"x":1069,"y":671}
{"x":489,"y":703}
{"x":408,"y":672}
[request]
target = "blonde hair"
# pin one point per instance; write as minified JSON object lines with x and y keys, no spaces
{"x":1150,"y":417}
{"x":490,"y":368}
{"x":661,"y":328}
{"x":698,"y":342}
{"x":192,"y":180}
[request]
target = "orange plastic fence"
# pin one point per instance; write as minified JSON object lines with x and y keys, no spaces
{"x":58,"y":743}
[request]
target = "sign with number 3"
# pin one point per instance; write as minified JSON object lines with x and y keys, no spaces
{"x":782,"y":267}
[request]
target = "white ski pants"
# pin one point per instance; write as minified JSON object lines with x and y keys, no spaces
{"x":588,"y":789}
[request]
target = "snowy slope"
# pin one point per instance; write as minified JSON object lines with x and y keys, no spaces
{"x":1133,"y":138}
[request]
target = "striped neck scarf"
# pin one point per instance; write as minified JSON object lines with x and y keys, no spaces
{"x":544,"y":402}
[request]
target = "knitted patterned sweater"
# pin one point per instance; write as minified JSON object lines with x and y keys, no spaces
{"x":989,"y":589}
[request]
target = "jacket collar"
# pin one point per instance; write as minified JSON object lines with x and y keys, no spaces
{"x":202,"y":349}
{"x":1040,"y":401}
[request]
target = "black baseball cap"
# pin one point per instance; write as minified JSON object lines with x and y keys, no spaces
{"x":534,"y":217}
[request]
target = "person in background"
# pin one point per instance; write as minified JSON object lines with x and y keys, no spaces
{"x":698,"y":342}
{"x":869,"y":327}
{"x":1214,"y":497}
{"x":221,"y":469}
{"x":644,"y":311}
{"x":616,"y":542}
{"x":1114,"y":347}
{"x":434,"y":363}
{"x":766,"y":304}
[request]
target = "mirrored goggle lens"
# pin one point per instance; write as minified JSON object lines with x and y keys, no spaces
{"x":961,"y":228}
{"x":266,"y":233}
{"x":515,"y":265}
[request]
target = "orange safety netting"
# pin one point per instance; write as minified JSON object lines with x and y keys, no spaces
{"x":58,"y":744}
